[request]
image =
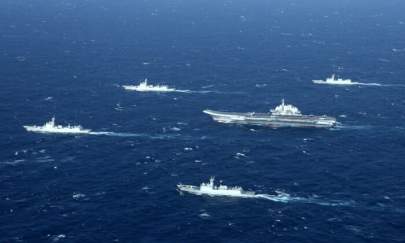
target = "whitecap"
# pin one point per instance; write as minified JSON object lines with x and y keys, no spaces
{"x":14,"y":162}
{"x":175,"y":129}
{"x":240,"y":155}
{"x":118,"y":107}
{"x":56,"y":238}
{"x":204,"y":215}
{"x":146,"y":188}
{"x":398,"y":50}
{"x":78,"y":196}
{"x":21,"y":58}
{"x":45,"y":159}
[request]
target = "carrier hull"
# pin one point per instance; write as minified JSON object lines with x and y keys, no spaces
{"x":271,"y":120}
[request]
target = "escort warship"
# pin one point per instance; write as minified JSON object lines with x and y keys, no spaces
{"x":342,"y":82}
{"x":145,"y":87}
{"x":211,"y":189}
{"x":50,"y":127}
{"x":336,"y":81}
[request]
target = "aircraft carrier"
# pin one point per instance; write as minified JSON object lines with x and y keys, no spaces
{"x":284,"y":115}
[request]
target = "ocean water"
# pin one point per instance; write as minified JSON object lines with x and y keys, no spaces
{"x":69,"y":58}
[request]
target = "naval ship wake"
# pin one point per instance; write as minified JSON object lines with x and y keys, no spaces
{"x":210,"y":189}
{"x":348,"y":82}
{"x":51,"y":128}
{"x":138,"y":135}
{"x":145,"y":87}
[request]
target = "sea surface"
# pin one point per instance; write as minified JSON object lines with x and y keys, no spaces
{"x":70,"y":58}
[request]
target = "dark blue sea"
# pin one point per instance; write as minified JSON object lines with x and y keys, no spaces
{"x":70,"y":58}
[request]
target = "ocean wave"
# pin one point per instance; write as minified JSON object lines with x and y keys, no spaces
{"x":12,"y":163}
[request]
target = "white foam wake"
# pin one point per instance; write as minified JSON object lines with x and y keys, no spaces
{"x":213,"y":92}
{"x":367,"y":84}
{"x":374,"y":84}
{"x":187,"y":91}
{"x":286,"y":198}
{"x":279,"y":196}
{"x":110,"y":134}
{"x":139,"y":135}
{"x":351,"y":127}
{"x":146,"y":87}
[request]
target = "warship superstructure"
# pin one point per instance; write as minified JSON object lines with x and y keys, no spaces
{"x":145,"y":87}
{"x":211,"y":189}
{"x":284,"y":115}
{"x":50,"y":127}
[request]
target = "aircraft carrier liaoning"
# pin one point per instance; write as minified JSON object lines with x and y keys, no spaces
{"x":283,"y":115}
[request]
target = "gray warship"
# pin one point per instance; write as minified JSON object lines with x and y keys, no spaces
{"x":284,"y":115}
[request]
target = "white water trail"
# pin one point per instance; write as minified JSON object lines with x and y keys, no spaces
{"x":379,"y":84}
{"x":286,"y":198}
{"x":212,"y":92}
{"x":366,"y":84}
{"x":351,"y":127}
{"x":393,"y":85}
{"x":187,"y":91}
{"x":138,"y":135}
{"x":283,"y":197}
{"x":85,"y":132}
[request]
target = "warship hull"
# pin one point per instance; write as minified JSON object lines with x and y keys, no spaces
{"x":271,"y":120}
{"x":214,"y":192}
{"x":62,"y":130}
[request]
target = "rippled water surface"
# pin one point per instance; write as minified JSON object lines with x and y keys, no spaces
{"x":69,"y":59}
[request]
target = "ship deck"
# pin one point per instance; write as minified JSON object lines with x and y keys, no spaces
{"x":264,"y":116}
